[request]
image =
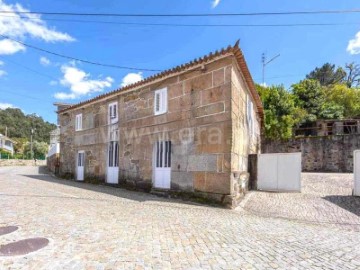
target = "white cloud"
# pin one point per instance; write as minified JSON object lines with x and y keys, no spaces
{"x":4,"y":106}
{"x":80,"y":83}
{"x":131,"y":78}
{"x":10,"y":47}
{"x":22,"y":26}
{"x":44,"y":61}
{"x":53,"y":83}
{"x":2,"y":73}
{"x":215,"y":3}
{"x":354,"y":44}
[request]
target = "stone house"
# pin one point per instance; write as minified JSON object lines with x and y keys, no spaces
{"x":187,"y":129}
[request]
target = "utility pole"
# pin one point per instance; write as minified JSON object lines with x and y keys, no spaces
{"x":31,"y":143}
{"x":265,"y":63}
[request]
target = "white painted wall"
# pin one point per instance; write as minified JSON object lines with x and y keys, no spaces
{"x":357,"y":173}
{"x":55,"y":149}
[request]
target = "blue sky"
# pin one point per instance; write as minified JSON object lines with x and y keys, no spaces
{"x":33,"y":80}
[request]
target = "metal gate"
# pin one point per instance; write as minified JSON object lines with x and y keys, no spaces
{"x":356,"y":173}
{"x":279,"y":172}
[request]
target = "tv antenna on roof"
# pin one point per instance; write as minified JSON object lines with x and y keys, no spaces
{"x":265,"y":63}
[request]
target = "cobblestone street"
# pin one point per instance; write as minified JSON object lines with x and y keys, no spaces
{"x":325,"y":199}
{"x":99,"y":227}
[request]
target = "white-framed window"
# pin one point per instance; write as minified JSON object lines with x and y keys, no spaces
{"x":113,"y":152}
{"x":113,"y":112}
{"x":78,"y":122}
{"x":163,"y":154}
{"x":160,"y":101}
{"x":250,"y":114}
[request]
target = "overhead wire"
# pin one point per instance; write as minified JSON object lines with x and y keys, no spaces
{"x":76,"y":58}
{"x":188,"y":25}
{"x":279,"y":13}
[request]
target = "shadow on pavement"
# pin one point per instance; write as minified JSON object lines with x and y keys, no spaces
{"x":349,"y":203}
{"x":43,"y":175}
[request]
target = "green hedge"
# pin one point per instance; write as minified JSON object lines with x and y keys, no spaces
{"x":7,"y":155}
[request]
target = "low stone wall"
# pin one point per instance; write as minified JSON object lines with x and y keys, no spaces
{"x":322,"y":154}
{"x":21,"y":162}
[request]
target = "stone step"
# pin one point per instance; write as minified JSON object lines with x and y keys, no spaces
{"x":160,"y":192}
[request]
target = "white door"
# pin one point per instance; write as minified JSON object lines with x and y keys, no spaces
{"x":357,"y":173}
{"x":80,"y":166}
{"x":112,"y":176}
{"x":162,"y":165}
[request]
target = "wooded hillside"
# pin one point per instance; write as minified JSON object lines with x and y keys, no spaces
{"x":19,"y":125}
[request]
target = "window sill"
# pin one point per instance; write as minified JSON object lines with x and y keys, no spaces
{"x":160,"y":113}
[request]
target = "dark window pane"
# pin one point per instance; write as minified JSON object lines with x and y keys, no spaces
{"x":161,"y":154}
{"x":169,"y":155}
{"x":116,"y":154}
{"x":166,"y":154}
{"x":111,"y":154}
{"x":157,"y":154}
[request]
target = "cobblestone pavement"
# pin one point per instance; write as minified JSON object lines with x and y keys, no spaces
{"x":98,"y":227}
{"x":325,"y":199}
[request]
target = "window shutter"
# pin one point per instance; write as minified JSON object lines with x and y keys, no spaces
{"x":160,"y":101}
{"x":252,"y":118}
{"x":164,"y":100}
{"x":113,"y":113}
{"x":247,"y":108}
{"x":78,"y":122}
{"x":157,"y":102}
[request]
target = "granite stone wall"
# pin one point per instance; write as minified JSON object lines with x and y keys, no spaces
{"x":319,"y":154}
{"x":205,"y":123}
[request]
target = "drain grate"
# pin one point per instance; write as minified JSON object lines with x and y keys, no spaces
{"x":23,"y":247}
{"x":7,"y":229}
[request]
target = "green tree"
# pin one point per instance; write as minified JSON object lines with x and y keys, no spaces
{"x":40,"y":149}
{"x":346,"y":99}
{"x":327,"y":74}
{"x":280,"y":112}
{"x":331,"y":110}
{"x":19,"y":145}
{"x":309,"y":95}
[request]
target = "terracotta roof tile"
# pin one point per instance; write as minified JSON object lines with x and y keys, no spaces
{"x":235,"y":50}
